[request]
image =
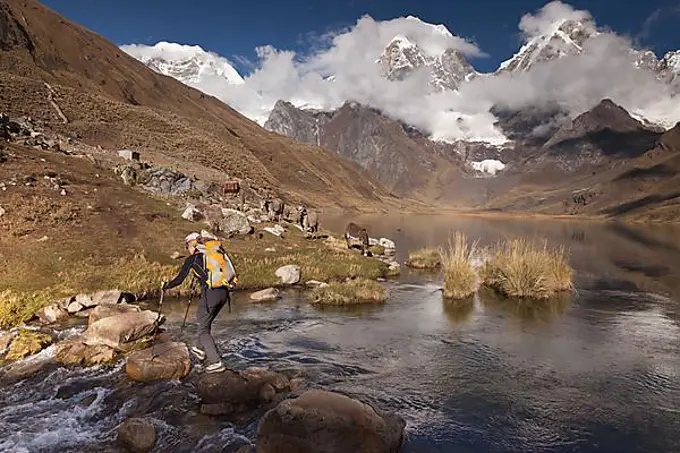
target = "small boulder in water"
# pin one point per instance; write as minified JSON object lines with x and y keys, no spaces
{"x":266,"y":295}
{"x":106,"y":297}
{"x":137,"y":434}
{"x":289,"y":275}
{"x":231,"y":392}
{"x":387,"y":243}
{"x":108,"y":310}
{"x":165,"y":361}
{"x":52,"y":314}
{"x":74,"y":307}
{"x":327,"y":422}
{"x":122,"y":331}
{"x":76,"y":352}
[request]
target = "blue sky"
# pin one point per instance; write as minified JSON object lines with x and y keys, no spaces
{"x":236,"y":28}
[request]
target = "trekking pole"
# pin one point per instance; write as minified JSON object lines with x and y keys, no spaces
{"x":158,"y":318}
{"x":186,"y":313}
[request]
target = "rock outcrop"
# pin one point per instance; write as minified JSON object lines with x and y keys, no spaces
{"x":163,"y":361}
{"x":326,"y":422}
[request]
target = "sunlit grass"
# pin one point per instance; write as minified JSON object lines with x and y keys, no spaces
{"x":425,"y":258}
{"x":354,"y":292}
{"x":460,"y":276}
{"x":524,"y":269}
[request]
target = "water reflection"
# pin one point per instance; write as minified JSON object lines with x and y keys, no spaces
{"x":459,"y":311}
{"x":545,"y":311}
{"x":641,"y":257}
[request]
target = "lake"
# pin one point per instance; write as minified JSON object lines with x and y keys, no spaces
{"x":594,"y":371}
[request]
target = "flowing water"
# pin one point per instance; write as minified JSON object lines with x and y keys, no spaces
{"x":597,"y":371}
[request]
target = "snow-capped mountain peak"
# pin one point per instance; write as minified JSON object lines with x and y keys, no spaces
{"x":190,"y":65}
{"x":447,"y":67}
{"x":565,"y":37}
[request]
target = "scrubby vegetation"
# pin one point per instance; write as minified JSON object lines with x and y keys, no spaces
{"x":353,"y":292}
{"x":524,"y":269}
{"x":425,"y":258}
{"x":460,"y":276}
{"x":27,"y":343}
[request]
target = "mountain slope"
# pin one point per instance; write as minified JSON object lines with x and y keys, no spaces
{"x":401,"y":158}
{"x":113,"y":100}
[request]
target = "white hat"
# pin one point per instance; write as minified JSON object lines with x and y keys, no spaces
{"x":192,"y":237}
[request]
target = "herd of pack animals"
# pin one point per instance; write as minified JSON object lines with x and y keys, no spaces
{"x":277,"y":210}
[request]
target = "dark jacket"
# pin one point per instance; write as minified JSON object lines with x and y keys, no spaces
{"x":191,"y":263}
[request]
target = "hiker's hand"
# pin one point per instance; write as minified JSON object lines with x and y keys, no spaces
{"x":163,"y":285}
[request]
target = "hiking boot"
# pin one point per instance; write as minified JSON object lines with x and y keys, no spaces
{"x":198,"y":353}
{"x":215,"y":368}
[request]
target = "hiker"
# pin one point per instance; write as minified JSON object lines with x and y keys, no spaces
{"x":213,"y":269}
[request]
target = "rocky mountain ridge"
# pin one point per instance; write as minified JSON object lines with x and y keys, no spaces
{"x":79,"y":85}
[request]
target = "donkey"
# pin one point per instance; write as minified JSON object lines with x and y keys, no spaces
{"x":357,"y":235}
{"x":310,"y":222}
{"x":274,"y":209}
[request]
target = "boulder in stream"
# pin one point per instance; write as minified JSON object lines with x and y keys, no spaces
{"x":266,"y":295}
{"x":76,"y":352}
{"x":165,"y":361}
{"x":137,"y":434}
{"x":108,"y":310}
{"x":231,"y":393}
{"x":52,"y":314}
{"x":122,"y":331}
{"x":327,"y":422}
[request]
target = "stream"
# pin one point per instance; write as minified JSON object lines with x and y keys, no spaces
{"x":594,"y":371}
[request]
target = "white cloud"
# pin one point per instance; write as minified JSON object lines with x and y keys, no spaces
{"x":575,"y":82}
{"x":544,"y":20}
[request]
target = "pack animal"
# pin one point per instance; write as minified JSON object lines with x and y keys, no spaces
{"x":275,"y":210}
{"x":356,"y":235}
{"x":310,"y":223}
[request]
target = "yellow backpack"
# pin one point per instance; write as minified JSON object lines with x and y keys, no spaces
{"x":218,"y":266}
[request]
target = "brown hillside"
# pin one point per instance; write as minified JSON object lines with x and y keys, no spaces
{"x":111,"y":99}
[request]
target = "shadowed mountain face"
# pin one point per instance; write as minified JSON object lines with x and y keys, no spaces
{"x":113,"y":100}
{"x":402,"y":158}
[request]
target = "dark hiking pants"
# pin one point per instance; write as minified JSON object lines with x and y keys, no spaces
{"x":211,"y":303}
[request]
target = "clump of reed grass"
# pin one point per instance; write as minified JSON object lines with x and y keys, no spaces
{"x":460,"y":276}
{"x":521,"y":268}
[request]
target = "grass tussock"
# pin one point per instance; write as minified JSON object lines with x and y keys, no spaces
{"x":460,"y":277}
{"x":425,"y":258}
{"x":354,"y":292}
{"x":524,"y":269}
